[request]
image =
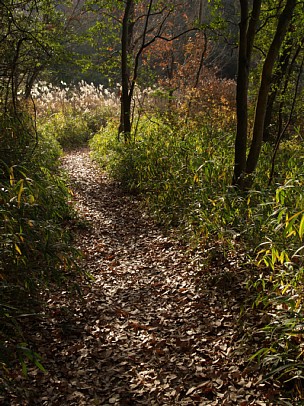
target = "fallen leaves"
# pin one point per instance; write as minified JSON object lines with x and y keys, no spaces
{"x":152,"y":328}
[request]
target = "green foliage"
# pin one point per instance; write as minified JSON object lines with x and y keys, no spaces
{"x":281,"y":299}
{"x":35,"y":249}
{"x":32,"y":207}
{"x":279,"y":288}
{"x":182,"y":173}
{"x":17,"y":135}
{"x":33,"y":34}
{"x":69,"y":130}
{"x":72,"y":114}
{"x":106,"y":146}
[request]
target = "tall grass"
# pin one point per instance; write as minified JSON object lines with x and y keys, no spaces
{"x":73,"y":114}
{"x":185,"y":174}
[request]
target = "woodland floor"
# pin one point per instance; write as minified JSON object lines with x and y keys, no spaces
{"x":159,"y":324}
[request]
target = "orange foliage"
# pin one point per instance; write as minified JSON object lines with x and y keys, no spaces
{"x":196,"y":91}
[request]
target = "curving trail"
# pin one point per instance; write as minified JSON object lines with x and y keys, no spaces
{"x":154,"y":327}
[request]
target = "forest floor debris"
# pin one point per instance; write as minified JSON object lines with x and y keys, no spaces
{"x":157,"y":325}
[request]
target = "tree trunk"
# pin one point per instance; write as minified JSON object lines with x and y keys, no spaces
{"x":30,"y":80}
{"x":241,"y":97}
{"x":126,"y":38}
{"x":261,"y":106}
{"x":246,"y":39}
{"x":277,"y":78}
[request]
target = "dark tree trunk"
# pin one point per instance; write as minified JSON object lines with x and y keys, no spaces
{"x":126,"y":38}
{"x":30,"y":80}
{"x":246,"y":38}
{"x":275,"y":84}
{"x":261,"y":106}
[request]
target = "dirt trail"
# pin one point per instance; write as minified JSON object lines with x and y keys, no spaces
{"x":150,"y":329}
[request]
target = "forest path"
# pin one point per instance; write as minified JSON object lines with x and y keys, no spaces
{"x":150,"y":329}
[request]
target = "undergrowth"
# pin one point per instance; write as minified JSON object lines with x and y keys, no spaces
{"x":184,"y":175}
{"x":72,"y":114}
{"x":36,"y":250}
{"x":180,"y":160}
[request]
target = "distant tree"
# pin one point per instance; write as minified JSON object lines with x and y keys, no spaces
{"x":143,"y":25}
{"x":32,"y":34}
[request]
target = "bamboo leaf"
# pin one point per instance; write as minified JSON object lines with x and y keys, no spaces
{"x":18,"y":249}
{"x":301,"y":228}
{"x":21,"y":188}
{"x":11,"y":175}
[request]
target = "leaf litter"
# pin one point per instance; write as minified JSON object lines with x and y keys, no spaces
{"x":156,"y":325}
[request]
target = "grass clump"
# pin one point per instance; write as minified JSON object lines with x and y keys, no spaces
{"x":69,"y":130}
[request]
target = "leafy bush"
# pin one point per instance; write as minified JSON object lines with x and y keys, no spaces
{"x":280,"y":285}
{"x":182,"y":173}
{"x":18,"y":137}
{"x":31,"y":211}
{"x":69,"y":130}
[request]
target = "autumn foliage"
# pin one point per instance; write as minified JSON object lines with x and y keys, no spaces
{"x":193,"y":87}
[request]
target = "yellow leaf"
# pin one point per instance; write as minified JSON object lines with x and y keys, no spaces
{"x":301,"y":228}
{"x":285,"y":289}
{"x":11,"y":175}
{"x":18,"y":249}
{"x":20,"y":192}
{"x":31,"y":199}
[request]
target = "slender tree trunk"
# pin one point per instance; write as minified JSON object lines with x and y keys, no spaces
{"x":126,"y":38}
{"x":30,"y":80}
{"x":282,"y":130}
{"x":277,"y":78}
{"x":261,"y":106}
{"x":247,"y":29}
{"x":241,"y":97}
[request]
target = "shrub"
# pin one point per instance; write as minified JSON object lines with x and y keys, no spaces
{"x":18,"y":137}
{"x":181,"y":173}
{"x":69,"y":130}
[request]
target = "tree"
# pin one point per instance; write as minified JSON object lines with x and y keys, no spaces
{"x":32,"y":34}
{"x":126,"y":30}
{"x":127,"y":89}
{"x":141,"y":27}
{"x":250,"y":22}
